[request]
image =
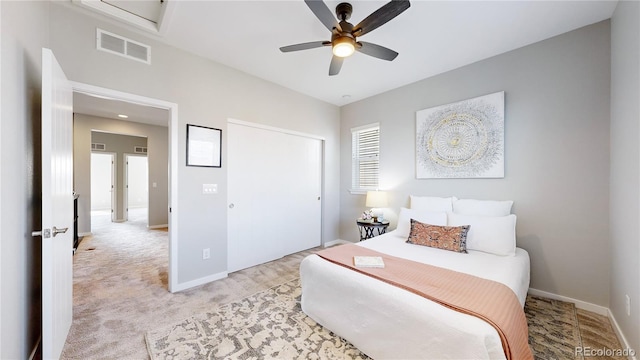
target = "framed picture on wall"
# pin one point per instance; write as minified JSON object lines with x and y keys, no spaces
{"x":462,"y":140}
{"x":204,"y":146}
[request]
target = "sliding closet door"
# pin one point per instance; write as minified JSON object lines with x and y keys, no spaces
{"x":274,"y":194}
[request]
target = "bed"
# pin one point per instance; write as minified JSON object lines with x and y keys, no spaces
{"x":387,"y":322}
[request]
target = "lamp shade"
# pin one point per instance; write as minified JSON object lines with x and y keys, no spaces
{"x":376,"y":199}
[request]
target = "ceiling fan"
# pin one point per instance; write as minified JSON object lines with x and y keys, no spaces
{"x":344,"y":34}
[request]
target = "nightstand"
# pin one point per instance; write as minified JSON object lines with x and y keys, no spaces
{"x":369,"y":229}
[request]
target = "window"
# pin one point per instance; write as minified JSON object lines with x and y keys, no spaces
{"x":365,"y":157}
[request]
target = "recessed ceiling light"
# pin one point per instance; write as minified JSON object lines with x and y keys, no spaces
{"x":123,"y":116}
{"x":346,"y":97}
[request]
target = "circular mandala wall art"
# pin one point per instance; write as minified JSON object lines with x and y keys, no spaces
{"x":461,"y":140}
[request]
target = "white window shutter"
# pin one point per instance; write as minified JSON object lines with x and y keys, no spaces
{"x":365,"y":157}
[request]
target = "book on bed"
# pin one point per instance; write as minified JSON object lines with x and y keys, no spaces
{"x":368,"y":261}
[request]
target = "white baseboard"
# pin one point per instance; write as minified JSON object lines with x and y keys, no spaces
{"x":601,"y":310}
{"x":200,"y":281}
{"x":85,"y":234}
{"x":336,"y":242}
{"x":623,"y":340}
{"x":161,"y":226}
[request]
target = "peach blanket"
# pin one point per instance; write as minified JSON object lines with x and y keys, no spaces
{"x":488,"y":300}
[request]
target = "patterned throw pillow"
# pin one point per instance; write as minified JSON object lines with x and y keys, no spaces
{"x":452,"y":238}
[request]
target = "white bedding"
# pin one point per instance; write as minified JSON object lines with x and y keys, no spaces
{"x":386,"y":322}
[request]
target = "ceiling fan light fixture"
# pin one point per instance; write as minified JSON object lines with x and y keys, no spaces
{"x":344,"y":34}
{"x":343,"y":46}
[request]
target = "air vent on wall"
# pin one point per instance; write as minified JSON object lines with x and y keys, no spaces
{"x":139,"y":149}
{"x":122,"y":46}
{"x":99,"y":147}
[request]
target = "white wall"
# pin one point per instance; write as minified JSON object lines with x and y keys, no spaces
{"x":24,"y":32}
{"x":207,"y":94}
{"x":625,"y":169}
{"x":556,"y":153}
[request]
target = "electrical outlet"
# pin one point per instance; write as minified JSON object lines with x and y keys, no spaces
{"x":628,"y":305}
{"x":206,"y":254}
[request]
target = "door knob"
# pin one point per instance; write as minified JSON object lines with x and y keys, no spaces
{"x":57,"y":231}
{"x":231,"y":206}
{"x":45,"y":233}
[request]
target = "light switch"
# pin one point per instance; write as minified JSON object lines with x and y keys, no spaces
{"x":154,"y":184}
{"x":209,"y":189}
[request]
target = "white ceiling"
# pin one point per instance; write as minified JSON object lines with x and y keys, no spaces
{"x":432,"y":37}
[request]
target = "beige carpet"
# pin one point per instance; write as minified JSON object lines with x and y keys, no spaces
{"x":120,"y":293}
{"x":120,"y":290}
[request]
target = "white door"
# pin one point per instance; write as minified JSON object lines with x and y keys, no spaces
{"x":136,"y":176}
{"x":274,"y":181}
{"x":103,"y":191}
{"x":57,"y":206}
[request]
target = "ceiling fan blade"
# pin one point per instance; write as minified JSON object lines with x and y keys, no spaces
{"x":376,"y":51}
{"x":322,"y":12}
{"x":305,"y":46}
{"x":380,"y":17}
{"x":336,"y":64}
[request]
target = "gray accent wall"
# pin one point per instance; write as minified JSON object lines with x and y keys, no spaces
{"x":556,"y":153}
{"x":207,"y":94}
{"x":625,"y":169}
{"x":24,"y":31}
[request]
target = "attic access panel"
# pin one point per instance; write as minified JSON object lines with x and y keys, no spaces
{"x":150,"y":15}
{"x":146,"y":9}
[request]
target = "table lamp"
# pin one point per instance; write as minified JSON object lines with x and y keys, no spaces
{"x":376,"y":199}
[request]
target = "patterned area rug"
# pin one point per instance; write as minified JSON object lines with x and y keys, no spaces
{"x":554,"y":332}
{"x":266,"y":325}
{"x":271,"y":325}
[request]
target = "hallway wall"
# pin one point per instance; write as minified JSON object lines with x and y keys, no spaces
{"x":121,"y":145}
{"x":157,"y":144}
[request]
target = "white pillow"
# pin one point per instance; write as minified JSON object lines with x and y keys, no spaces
{"x":428,"y":203}
{"x":491,"y":234}
{"x":482,"y":207}
{"x":428,"y":217}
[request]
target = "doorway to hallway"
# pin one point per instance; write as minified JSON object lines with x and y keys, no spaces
{"x":102,"y":186}
{"x":136,"y":190}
